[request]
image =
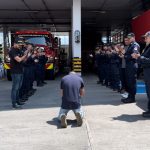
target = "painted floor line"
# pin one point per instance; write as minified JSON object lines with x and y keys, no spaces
{"x":88,"y":132}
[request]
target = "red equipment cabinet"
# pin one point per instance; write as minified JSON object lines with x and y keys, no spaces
{"x":141,"y":24}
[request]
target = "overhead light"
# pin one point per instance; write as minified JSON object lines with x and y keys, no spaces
{"x":90,"y":23}
{"x":135,"y":17}
{"x":103,"y":12}
{"x":31,"y":11}
{"x":98,"y":11}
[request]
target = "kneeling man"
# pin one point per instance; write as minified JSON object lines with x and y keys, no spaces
{"x":72,"y":88}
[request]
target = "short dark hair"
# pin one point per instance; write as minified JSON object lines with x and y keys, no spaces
{"x":130,"y":35}
{"x":147,"y":34}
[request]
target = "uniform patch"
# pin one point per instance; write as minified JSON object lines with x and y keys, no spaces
{"x":135,"y":48}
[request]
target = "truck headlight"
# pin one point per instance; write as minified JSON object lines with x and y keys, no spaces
{"x":50,"y":59}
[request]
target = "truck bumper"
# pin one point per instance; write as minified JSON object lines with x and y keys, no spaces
{"x":7,"y":66}
{"x":49,"y":66}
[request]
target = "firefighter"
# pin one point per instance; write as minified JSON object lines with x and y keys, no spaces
{"x":106,"y":66}
{"x":16,"y":58}
{"x":144,"y":60}
{"x":102,"y":66}
{"x":122,"y":50}
{"x":114,"y":61}
{"x":98,"y":64}
{"x":131,"y":68}
{"x":42,"y":60}
{"x":109,"y":70}
{"x":38,"y":67}
{"x":23,"y":89}
{"x":27,"y":78}
{"x":32,"y":70}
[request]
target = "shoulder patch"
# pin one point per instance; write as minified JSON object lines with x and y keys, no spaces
{"x":135,"y":48}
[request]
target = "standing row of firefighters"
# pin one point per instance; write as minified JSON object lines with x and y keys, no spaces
{"x":117,"y":67}
{"x":27,"y":65}
{"x":110,"y":63}
{"x":34,"y":70}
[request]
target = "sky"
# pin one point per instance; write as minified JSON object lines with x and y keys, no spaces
{"x":1,"y":37}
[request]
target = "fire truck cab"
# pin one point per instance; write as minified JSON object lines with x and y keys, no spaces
{"x":45,"y":40}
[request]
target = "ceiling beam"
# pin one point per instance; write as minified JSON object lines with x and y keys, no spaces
{"x":64,"y":10}
{"x":103,"y":4}
{"x":145,"y":5}
{"x":49,"y":14}
{"x":27,"y":6}
{"x":48,"y":23}
{"x":35,"y":19}
{"x":37,"y":10}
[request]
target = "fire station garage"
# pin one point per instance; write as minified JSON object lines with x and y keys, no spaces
{"x":102,"y":45}
{"x":80,"y":24}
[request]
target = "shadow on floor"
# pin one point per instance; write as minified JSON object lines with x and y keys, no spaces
{"x":130,"y":118}
{"x":56,"y":122}
{"x":48,"y":96}
{"x":142,"y":102}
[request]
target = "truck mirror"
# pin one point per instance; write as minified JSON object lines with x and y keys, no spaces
{"x":50,"y":45}
{"x":56,"y":40}
{"x":59,"y":41}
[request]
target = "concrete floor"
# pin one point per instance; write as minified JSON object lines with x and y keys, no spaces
{"x":109,"y":124}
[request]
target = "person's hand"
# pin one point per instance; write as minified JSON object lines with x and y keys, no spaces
{"x":26,"y":52}
{"x":138,"y":55}
{"x":123,"y":51}
{"x":33,"y":55}
{"x":121,"y":56}
{"x":36,"y":60}
{"x":135,"y":56}
{"x":115,"y":47}
{"x":29,"y":54}
{"x":108,"y":52}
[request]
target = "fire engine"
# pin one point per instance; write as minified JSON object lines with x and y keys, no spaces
{"x":44,"y":40}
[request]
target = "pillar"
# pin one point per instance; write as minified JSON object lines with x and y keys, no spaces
{"x":76,"y":36}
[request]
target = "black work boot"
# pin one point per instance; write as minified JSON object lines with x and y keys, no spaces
{"x":44,"y":82}
{"x":63,"y":121}
{"x":128,"y":100}
{"x":98,"y":82}
{"x":146,"y":114}
{"x":79,"y":119}
{"x":40,"y":85}
{"x":20,"y":103}
{"x":15,"y":106}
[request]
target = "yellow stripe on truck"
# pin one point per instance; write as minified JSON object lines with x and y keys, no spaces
{"x":6,"y":66}
{"x":50,"y":67}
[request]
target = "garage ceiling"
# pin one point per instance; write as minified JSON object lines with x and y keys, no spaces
{"x":56,"y":14}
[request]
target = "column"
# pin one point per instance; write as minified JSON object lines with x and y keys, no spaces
{"x":76,"y":36}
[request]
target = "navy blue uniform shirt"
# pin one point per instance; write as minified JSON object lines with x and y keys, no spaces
{"x":133,"y":48}
{"x":71,"y":85}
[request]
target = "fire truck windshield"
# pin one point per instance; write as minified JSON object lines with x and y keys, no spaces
{"x":41,"y":40}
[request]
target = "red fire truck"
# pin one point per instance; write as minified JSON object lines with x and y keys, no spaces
{"x":42,"y":39}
